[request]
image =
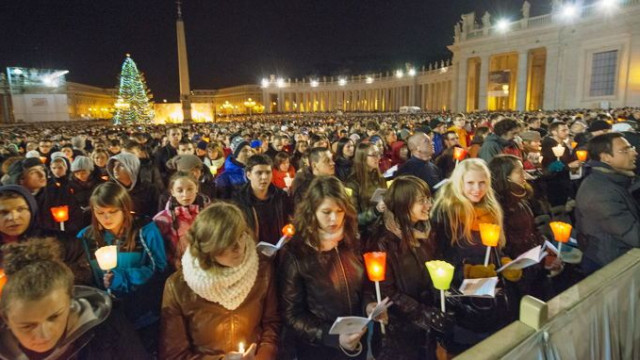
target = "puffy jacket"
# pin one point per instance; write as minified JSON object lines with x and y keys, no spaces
{"x":315,"y":288}
{"x":231,"y":179}
{"x":408,"y":285}
{"x":193,"y":327}
{"x":607,"y":216}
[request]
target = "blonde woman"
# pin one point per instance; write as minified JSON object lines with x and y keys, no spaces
{"x":224,"y":297}
{"x":462,"y":204}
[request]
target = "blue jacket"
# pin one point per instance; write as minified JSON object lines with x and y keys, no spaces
{"x":134,"y":268}
{"x":231,"y":179}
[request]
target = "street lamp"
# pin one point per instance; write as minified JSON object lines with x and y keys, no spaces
{"x":249,"y":104}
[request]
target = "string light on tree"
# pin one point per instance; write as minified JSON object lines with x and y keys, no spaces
{"x":133,"y":104}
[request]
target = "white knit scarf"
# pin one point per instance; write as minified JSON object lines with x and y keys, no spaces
{"x":227,"y":286}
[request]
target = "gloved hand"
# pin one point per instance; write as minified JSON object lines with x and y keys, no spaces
{"x":513,"y":275}
{"x":479,"y":271}
{"x":441,"y":322}
{"x":556,"y":166}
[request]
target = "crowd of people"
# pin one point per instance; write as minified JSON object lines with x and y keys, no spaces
{"x":186,"y":205}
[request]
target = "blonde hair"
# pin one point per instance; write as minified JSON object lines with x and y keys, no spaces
{"x":216,"y":229}
{"x":451,"y":203}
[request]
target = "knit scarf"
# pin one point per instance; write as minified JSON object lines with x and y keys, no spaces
{"x":227,"y":286}
{"x":482,"y":216}
{"x":391,"y":224}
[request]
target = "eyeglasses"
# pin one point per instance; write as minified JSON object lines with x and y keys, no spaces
{"x":424,"y":200}
{"x":627,"y":150}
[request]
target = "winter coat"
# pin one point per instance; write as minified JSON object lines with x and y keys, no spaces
{"x":366,"y":210}
{"x":55,"y":195}
{"x":98,"y":333}
{"x":492,"y":146}
{"x":343,"y":168}
{"x":161,"y":157}
{"x":265,"y":217}
{"x":607,"y":216}
{"x":193,"y":327}
{"x":315,"y":288}
{"x":300,"y":185}
{"x":174,"y":222}
{"x":231,"y":179}
{"x":408,"y":284}
{"x":424,"y":170}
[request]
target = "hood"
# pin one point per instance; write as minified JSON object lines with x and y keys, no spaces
{"x":130,"y":162}
{"x":231,"y":165}
{"x":91,"y":307}
{"x":31,"y":201}
{"x":495,"y":138}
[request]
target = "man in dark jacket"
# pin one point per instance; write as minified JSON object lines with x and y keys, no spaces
{"x":504,"y":131}
{"x":420,"y":164}
{"x":320,"y":164}
{"x":266,"y":207}
{"x":608,"y":218}
{"x":168,"y":151}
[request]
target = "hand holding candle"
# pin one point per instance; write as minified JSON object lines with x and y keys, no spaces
{"x":562,"y":233}
{"x":60,"y":215}
{"x":376,"y":264}
{"x":107,"y":258}
{"x":441,"y":273}
{"x":490,"y":235}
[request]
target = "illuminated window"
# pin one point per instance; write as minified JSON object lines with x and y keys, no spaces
{"x":603,"y":73}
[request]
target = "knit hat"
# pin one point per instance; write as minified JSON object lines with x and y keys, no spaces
{"x":184,"y":163}
{"x":237,"y":144}
{"x":59,"y":155}
{"x":18,"y":168}
{"x":256,"y":144}
{"x":202,"y":145}
{"x":597,"y":125}
{"x":530,"y":136}
{"x":82,"y":163}
{"x":435,"y":123}
{"x":33,"y":154}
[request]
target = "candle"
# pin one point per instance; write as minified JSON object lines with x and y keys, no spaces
{"x":441,"y":273}
{"x":490,"y":235}
{"x":3,"y":280}
{"x":574,"y":144}
{"x":558,"y":151}
{"x":241,"y":348}
{"x":562,"y":233}
{"x":376,"y":264}
{"x":60,"y":215}
{"x":288,"y":230}
{"x":107,"y":257}
{"x":349,"y":191}
{"x":581,"y":155}
{"x":459,"y":154}
{"x":288,"y":180}
{"x":389,"y":183}
{"x":213,"y":169}
{"x":43,"y":159}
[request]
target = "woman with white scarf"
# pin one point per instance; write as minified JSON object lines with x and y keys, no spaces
{"x":222,"y":303}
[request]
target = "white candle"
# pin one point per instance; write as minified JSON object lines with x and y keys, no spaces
{"x":558,"y":150}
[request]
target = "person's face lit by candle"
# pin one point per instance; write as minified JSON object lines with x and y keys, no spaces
{"x":330,"y":215}
{"x":111,"y":218}
{"x":420,"y":208}
{"x":39,"y":324}
{"x":517,"y":175}
{"x":475,"y":184}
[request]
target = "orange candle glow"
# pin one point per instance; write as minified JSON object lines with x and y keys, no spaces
{"x":490,"y":234}
{"x":376,"y":263}
{"x":288,"y":230}
{"x":43,"y":159}
{"x":3,"y":280}
{"x":574,"y":144}
{"x":561,"y":231}
{"x":581,"y":155}
{"x":60,"y":213}
{"x":459,"y":153}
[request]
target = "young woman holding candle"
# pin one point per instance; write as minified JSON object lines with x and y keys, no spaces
{"x":282,"y":169}
{"x":47,"y":317}
{"x":321,"y":274}
{"x":462,"y":204}
{"x":180,"y":212}
{"x":224,"y":297}
{"x":404,"y":233}
{"x":138,"y":278}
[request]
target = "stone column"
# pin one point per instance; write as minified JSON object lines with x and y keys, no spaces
{"x":461,"y":86}
{"x":484,"y":82}
{"x":521,"y":85}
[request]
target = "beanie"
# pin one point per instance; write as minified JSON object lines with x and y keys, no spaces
{"x":184,"y":163}
{"x":18,"y":168}
{"x":237,"y":144}
{"x":202,"y":145}
{"x":530,"y":136}
{"x":597,"y":125}
{"x":82,"y":163}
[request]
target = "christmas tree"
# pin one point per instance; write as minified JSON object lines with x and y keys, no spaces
{"x":133,"y":104}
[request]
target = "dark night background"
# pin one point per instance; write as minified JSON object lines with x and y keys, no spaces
{"x":233,"y":42}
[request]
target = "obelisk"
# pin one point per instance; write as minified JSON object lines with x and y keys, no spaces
{"x":183,"y":68}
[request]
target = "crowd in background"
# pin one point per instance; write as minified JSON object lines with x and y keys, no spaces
{"x":185,"y":205}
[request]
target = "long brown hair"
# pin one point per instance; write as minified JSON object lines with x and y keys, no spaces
{"x":305,"y":220}
{"x":113,"y":195}
{"x":363,"y":175}
{"x":399,"y":199}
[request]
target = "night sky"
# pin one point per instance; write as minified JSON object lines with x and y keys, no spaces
{"x":233,"y":42}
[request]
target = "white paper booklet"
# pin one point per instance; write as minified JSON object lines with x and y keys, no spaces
{"x":390,"y":172}
{"x":270,"y":249}
{"x":482,"y":287}
{"x":526,"y":259}
{"x":354,"y":324}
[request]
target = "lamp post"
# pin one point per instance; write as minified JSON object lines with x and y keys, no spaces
{"x":249,"y":104}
